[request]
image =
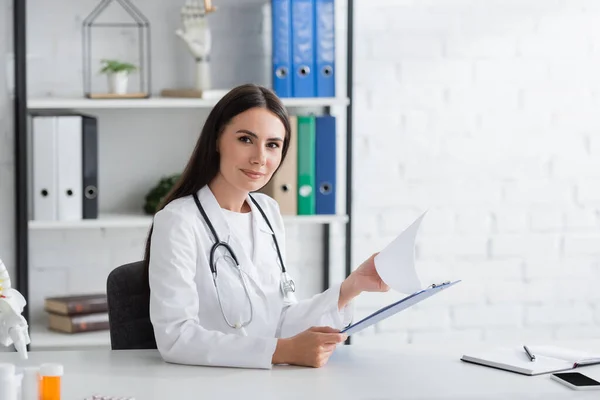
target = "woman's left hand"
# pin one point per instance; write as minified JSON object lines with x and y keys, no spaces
{"x":364,"y":279}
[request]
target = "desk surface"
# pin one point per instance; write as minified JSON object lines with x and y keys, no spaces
{"x":353,"y":372}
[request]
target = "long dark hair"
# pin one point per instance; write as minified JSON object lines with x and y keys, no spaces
{"x":204,"y":162}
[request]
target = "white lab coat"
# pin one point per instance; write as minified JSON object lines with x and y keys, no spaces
{"x":188,"y":324}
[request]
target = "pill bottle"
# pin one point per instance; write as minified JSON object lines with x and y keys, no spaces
{"x":30,"y":385}
{"x":8,"y":382}
{"x":50,"y":381}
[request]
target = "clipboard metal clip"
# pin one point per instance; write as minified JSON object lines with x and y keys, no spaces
{"x":434,"y":285}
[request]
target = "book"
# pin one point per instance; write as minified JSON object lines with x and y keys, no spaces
{"x":78,"y":323}
{"x":548,"y":359}
{"x":76,"y":304}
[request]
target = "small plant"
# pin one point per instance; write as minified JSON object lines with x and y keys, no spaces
{"x":115,"y":66}
{"x":156,"y":194}
{"x":117,"y":73}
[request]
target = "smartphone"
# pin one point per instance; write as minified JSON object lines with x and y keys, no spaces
{"x":576,"y":381}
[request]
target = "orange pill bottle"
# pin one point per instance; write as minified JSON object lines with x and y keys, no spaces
{"x":50,"y":381}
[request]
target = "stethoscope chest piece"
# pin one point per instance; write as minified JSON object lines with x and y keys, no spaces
{"x":288,"y":287}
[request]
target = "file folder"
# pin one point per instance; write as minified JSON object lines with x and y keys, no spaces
{"x":90,"y":166}
{"x":283,"y":186}
{"x":325,"y":165}
{"x":69,"y":168}
{"x":64,"y":157}
{"x":43,"y":201}
{"x":282,"y":47}
{"x":306,"y":165}
{"x":396,"y":307}
{"x":303,"y":57}
{"x":325,"y":48}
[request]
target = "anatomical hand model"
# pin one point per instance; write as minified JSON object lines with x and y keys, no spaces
{"x":196,"y":35}
{"x":13,"y":327}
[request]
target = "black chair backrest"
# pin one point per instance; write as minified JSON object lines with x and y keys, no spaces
{"x":129,"y":308}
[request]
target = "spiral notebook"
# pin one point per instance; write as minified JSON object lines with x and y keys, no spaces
{"x":548,"y":359}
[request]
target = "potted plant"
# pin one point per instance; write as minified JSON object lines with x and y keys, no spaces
{"x":156,"y":195}
{"x":118,"y":74}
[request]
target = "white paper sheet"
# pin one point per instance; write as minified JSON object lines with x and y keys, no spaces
{"x":396,"y":263}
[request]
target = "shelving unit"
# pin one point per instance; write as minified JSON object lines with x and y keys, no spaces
{"x":144,"y":221}
{"x":163,"y":102}
{"x":44,"y":339}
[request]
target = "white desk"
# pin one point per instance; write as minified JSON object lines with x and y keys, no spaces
{"x":353,"y":372}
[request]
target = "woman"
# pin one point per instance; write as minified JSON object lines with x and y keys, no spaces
{"x":206,"y":311}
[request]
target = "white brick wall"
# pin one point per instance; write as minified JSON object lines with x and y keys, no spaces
{"x":481,"y":112}
{"x":499,"y":139}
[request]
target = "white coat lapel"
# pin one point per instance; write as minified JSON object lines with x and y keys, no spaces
{"x":263,"y":235}
{"x":214,"y":213}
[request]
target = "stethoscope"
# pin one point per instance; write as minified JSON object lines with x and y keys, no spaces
{"x":287,"y":284}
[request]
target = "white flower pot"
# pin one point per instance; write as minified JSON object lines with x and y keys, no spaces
{"x":117,"y":82}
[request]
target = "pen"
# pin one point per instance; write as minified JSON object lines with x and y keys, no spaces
{"x":531,"y":356}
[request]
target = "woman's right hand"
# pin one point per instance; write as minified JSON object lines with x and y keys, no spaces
{"x":311,"y":348}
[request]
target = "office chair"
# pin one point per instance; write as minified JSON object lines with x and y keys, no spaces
{"x":129,"y":308}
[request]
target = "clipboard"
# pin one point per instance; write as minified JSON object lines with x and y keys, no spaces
{"x":396,"y":307}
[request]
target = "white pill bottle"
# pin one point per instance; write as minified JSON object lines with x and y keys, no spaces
{"x":8,"y":382}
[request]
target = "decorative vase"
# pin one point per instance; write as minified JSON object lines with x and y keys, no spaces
{"x":117,"y":82}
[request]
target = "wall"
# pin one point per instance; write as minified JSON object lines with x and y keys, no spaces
{"x":7,"y":191}
{"x":56,"y":49}
{"x":485,"y":114}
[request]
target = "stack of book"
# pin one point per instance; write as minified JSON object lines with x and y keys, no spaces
{"x":77,"y":313}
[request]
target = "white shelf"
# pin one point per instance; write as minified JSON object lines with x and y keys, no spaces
{"x":103,"y":221}
{"x":163,"y":102}
{"x":44,"y":339}
{"x":315,"y":219}
{"x":144,"y":221}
